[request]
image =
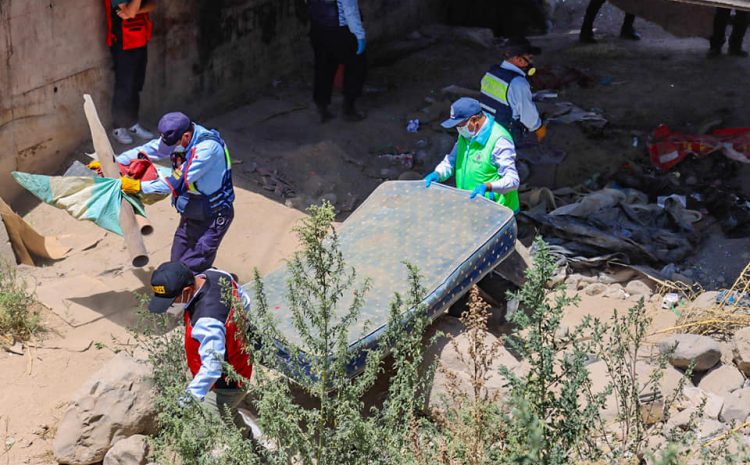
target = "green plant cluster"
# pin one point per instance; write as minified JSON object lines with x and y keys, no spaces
{"x":20,"y":319}
{"x":547,"y":415}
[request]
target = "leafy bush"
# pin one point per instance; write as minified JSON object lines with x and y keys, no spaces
{"x":20,"y":319}
{"x":557,"y":377}
{"x":336,"y":428}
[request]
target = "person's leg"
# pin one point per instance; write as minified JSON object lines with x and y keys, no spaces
{"x":123,"y":68}
{"x":200,"y":255}
{"x":141,"y":60}
{"x":182,"y":240}
{"x":218,"y":401}
{"x":628,"y":29}
{"x":721,"y":19}
{"x":587,"y":28}
{"x":355,"y":71}
{"x":325,"y":71}
{"x":738,"y":33}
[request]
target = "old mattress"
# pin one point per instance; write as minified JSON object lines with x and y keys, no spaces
{"x":453,"y":240}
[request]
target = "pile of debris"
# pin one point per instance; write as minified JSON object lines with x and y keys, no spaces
{"x":641,"y":215}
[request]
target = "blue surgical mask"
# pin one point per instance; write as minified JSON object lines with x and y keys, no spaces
{"x":464,"y":131}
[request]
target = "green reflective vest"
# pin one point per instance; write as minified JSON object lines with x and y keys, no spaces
{"x":474,"y":166}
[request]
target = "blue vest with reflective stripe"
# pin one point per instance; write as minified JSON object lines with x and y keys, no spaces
{"x":494,"y":98}
{"x":324,"y":13}
{"x":217,"y":201}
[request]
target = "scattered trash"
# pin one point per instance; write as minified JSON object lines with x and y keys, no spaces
{"x":422,"y":143}
{"x":272,"y":181}
{"x":635,"y":141}
{"x":569,"y":113}
{"x":405,"y":159}
{"x":670,"y":301}
{"x":607,"y":221}
{"x":733,"y":298}
{"x":542,"y":95}
{"x":667,"y":148}
{"x":412,"y":126}
{"x":662,"y":200}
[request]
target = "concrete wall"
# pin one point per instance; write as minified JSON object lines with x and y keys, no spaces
{"x":206,"y":55}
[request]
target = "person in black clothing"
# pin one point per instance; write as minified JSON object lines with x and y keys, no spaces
{"x":337,"y":38}
{"x":128,"y":33}
{"x":739,"y":27}
{"x":627,"y":31}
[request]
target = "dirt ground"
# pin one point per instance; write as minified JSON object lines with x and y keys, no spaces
{"x":285,"y":159}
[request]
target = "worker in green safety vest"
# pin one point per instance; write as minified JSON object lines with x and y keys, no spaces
{"x":484,"y":157}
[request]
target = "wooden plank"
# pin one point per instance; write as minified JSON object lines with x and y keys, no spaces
{"x":130,"y":228}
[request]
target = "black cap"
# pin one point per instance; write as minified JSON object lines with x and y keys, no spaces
{"x":167,"y":283}
{"x":520,"y":46}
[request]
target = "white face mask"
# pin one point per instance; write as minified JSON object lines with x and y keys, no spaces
{"x":464,"y":131}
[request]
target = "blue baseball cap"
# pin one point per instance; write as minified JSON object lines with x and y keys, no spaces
{"x":461,"y":110}
{"x":172,"y":126}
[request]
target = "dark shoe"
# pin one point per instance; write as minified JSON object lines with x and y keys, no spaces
{"x":713,"y":52}
{"x":737,"y":52}
{"x":352,"y":115}
{"x":325,"y":114}
{"x":629,"y":34}
{"x":587,"y":37}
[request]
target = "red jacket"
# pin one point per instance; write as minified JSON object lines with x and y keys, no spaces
{"x":136,"y":32}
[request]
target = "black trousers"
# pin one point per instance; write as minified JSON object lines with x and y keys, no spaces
{"x":333,"y":47}
{"x":593,"y":9}
{"x":130,"y":74}
{"x":721,"y":20}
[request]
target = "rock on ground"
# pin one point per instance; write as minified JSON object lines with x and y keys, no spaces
{"x":638,"y":289}
{"x":736,"y":406}
{"x":695,"y":397}
{"x":595,"y":289}
{"x":455,"y":370}
{"x":616,"y":291}
{"x":129,"y":451}
{"x":742,"y":350}
{"x":115,"y":403}
{"x":722,"y":380}
{"x":668,"y":384}
{"x":703,"y":350}
{"x":704,"y":301}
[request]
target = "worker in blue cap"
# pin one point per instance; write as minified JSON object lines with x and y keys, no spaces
{"x":483,"y":158}
{"x":200,"y":185}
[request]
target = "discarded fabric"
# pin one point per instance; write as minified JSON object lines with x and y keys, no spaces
{"x":667,"y":148}
{"x":605,"y":222}
{"x":94,"y":199}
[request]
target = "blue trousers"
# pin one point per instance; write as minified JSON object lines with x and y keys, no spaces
{"x":196,"y":242}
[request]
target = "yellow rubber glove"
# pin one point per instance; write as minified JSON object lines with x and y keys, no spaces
{"x":130,"y":186}
{"x":94,"y":165}
{"x":541,"y":133}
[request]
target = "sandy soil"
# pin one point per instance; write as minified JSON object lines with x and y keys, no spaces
{"x":660,"y":79}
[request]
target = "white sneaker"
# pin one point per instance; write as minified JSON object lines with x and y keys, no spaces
{"x":121,"y":135}
{"x":139,"y":131}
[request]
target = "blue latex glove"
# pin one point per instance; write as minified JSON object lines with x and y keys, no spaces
{"x":430,"y":178}
{"x":360,"y":46}
{"x":479,"y":190}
